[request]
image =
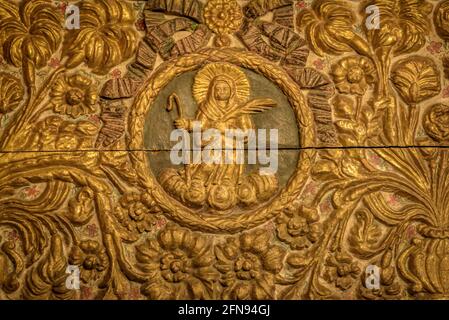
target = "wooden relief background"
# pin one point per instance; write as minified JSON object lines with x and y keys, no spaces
{"x":85,"y":178}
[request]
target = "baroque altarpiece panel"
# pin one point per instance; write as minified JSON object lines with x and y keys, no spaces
{"x":91,"y":91}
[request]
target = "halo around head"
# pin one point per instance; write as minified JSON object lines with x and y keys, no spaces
{"x":205,"y":76}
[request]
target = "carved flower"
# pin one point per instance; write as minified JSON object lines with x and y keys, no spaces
{"x":222,"y":196}
{"x":441,"y":18}
{"x":107,"y":36}
{"x":416,"y":79}
{"x":92,"y":259}
{"x":135,"y":214}
{"x":341,"y":270}
{"x":223,"y":16}
{"x":353,"y":75}
{"x":29,"y":34}
{"x":328,"y":27}
{"x":73,"y":95}
{"x":298,"y":228}
{"x":404,"y":24}
{"x":11,"y":93}
{"x":248,"y":265}
{"x":436,"y":122}
{"x":178,"y":265}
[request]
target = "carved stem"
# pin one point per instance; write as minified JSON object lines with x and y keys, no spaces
{"x":358,"y":110}
{"x":414,"y":118}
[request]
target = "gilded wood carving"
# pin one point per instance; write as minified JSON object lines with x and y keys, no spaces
{"x":85,"y":175}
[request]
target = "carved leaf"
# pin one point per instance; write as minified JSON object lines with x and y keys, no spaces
{"x":320,"y":90}
{"x":162,"y":31}
{"x":98,"y":43}
{"x":257,"y":8}
{"x":403,"y":24}
{"x":11,"y":93}
{"x":47,"y":280}
{"x":29,"y":34}
{"x":120,"y":88}
{"x":352,"y":128}
{"x":328,"y":28}
{"x":364,"y":234}
{"x":144,"y":63}
{"x":325,"y":170}
{"x":81,"y":207}
{"x":441,"y":18}
{"x":284,"y":16}
{"x":282,"y":44}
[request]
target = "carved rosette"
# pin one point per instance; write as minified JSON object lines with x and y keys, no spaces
{"x":223,"y":17}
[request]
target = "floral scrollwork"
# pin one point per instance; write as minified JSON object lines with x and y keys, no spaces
{"x":248,"y":266}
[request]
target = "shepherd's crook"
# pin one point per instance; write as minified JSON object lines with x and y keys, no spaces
{"x":173,"y":99}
